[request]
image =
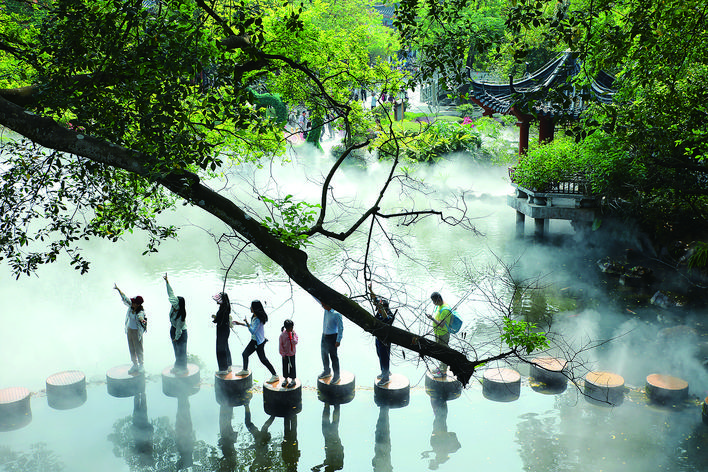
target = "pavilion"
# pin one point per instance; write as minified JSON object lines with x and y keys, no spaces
{"x":548,"y":96}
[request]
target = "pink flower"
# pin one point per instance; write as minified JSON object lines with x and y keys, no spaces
{"x":467,"y":121}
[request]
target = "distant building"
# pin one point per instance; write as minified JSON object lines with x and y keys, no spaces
{"x":388,"y":12}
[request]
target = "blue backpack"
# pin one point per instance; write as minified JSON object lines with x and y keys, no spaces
{"x":455,"y":323}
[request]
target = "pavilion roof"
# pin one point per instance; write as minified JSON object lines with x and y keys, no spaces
{"x":500,"y":98}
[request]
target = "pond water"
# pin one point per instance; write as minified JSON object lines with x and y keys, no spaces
{"x":61,"y":321}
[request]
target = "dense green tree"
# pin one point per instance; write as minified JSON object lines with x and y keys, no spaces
{"x":658,"y":52}
{"x":122,"y":110}
{"x":452,"y":37}
{"x":657,"y":122}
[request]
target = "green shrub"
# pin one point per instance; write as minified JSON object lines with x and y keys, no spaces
{"x":600,"y":159}
{"x":469,"y":109}
{"x":273,"y":102}
{"x":699,"y":256}
{"x":442,"y":137}
{"x":548,"y":163}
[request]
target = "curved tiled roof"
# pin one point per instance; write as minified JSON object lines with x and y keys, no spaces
{"x":500,"y":98}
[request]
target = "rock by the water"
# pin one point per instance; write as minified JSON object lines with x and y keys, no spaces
{"x":663,"y":300}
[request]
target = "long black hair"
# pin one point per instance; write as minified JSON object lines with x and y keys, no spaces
{"x":181,"y":312}
{"x":224,"y":306}
{"x":259,"y":311}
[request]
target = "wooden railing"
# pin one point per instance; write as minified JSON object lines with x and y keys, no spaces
{"x":574,"y":184}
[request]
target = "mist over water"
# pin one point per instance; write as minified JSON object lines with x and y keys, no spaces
{"x":59,"y":320}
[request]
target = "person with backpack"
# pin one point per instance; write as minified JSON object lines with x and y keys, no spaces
{"x":178,"y":330}
{"x":258,"y":320}
{"x":135,"y":327}
{"x":441,"y":318}
{"x":384,"y":314}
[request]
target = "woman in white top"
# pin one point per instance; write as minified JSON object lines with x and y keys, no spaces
{"x":258,"y":340}
{"x":135,"y":326}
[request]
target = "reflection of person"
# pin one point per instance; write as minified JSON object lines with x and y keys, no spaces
{"x":441,"y":320}
{"x":442,"y":441}
{"x":334,"y":450}
{"x":184,"y":436}
{"x":332,"y":328}
{"x":286,"y":345}
{"x":178,"y":330}
{"x":142,"y":431}
{"x":289,"y":447}
{"x":227,"y":435}
{"x":222,"y":319}
{"x":135,"y":327}
{"x":382,"y":443}
{"x":258,"y":340}
{"x":383,"y":349}
{"x":261,"y":437}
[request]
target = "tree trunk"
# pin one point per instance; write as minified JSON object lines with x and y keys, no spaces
{"x":48,"y":133}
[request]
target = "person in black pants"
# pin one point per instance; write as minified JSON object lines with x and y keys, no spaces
{"x":223,"y":322}
{"x":383,"y":349}
{"x":178,"y":330}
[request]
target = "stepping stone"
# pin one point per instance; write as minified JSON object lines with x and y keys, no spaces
{"x":180,"y":385}
{"x":66,"y":390}
{"x":662,"y":388}
{"x":15,"y":409}
{"x":549,"y":370}
{"x":604,"y":387}
{"x":394,"y":394}
{"x":339,"y":393}
{"x":121,"y":384}
{"x":443,"y":388}
{"x":232,"y":389}
{"x":501,"y":384}
{"x":280,"y":401}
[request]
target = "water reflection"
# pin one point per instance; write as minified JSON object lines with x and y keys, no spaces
{"x":442,"y":441}
{"x":334,"y":450}
{"x":263,"y":457}
{"x":39,"y":459}
{"x":184,"y":436}
{"x":227,"y":436}
{"x":149,"y":445}
{"x":289,"y":447}
{"x":382,"y":443}
{"x":142,"y":431}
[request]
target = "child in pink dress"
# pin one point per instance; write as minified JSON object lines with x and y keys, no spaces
{"x":287,"y":343}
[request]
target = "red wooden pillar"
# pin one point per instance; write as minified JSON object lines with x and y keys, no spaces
{"x":546,"y":129}
{"x":524,"y":124}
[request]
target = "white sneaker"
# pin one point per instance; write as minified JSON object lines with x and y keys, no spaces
{"x":242,"y":372}
{"x":222,"y":372}
{"x":273,"y":378}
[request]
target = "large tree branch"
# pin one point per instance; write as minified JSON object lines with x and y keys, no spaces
{"x":48,"y":133}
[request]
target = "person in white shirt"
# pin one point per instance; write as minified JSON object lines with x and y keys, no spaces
{"x":135,"y":326}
